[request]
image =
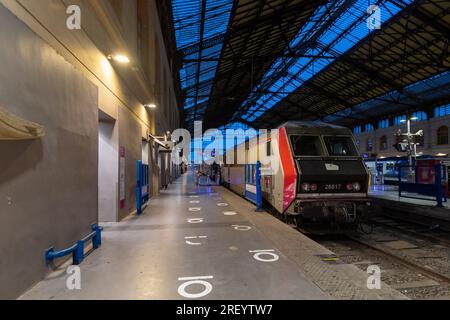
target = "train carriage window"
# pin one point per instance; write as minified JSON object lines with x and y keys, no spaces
{"x":307,"y":146}
{"x":340,"y":146}
{"x":269,"y":148}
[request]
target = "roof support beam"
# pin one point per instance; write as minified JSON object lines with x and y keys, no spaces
{"x":200,"y":50}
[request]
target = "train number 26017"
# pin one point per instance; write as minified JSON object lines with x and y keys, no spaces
{"x":333,"y":187}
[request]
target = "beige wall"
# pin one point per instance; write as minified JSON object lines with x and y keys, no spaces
{"x":108,"y":27}
{"x":430,"y":128}
{"x":62,"y":78}
{"x":48,"y":186}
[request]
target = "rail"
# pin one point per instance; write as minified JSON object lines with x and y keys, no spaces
{"x":77,"y":250}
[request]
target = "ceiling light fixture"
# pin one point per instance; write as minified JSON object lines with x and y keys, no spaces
{"x":150,"y":105}
{"x":120,"y":58}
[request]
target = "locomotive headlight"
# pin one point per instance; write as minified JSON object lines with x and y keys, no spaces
{"x":357,"y":186}
{"x":349,"y":186}
{"x":314,"y":187}
{"x":306,"y":187}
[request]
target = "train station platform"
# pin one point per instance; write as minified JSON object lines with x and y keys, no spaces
{"x":422,"y":211}
{"x":208,"y":243}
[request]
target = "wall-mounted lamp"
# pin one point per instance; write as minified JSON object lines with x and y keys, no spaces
{"x":150,"y":105}
{"x":120,"y":58}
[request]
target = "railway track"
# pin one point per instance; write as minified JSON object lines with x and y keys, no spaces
{"x":404,"y":261}
{"x":414,"y":259}
{"x":414,"y":249}
{"x":414,"y":280}
{"x":430,"y":233}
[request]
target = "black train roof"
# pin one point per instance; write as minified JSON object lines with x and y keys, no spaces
{"x":314,"y":127}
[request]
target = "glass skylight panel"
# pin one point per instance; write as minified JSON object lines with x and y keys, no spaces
{"x":345,"y":32}
{"x":187,"y":22}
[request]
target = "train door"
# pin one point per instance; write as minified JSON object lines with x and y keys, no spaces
{"x":250,"y":182}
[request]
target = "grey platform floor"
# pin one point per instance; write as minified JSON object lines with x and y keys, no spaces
{"x":151,"y":256}
{"x":389,"y":192}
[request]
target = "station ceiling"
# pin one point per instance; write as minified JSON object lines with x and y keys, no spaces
{"x":259,"y":63}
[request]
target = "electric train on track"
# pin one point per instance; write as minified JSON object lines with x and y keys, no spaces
{"x":321,"y":181}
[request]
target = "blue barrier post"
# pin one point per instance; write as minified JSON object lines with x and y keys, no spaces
{"x":139,"y":188}
{"x":77,"y":250}
{"x":438,"y":181}
{"x":78,"y":256}
{"x":258,"y":188}
{"x":97,"y":239}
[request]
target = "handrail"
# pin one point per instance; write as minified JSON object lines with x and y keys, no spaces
{"x":77,"y":250}
{"x":434,"y":189}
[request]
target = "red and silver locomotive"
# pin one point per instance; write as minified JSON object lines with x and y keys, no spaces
{"x":320,"y":182}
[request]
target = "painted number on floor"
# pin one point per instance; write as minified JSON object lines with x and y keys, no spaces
{"x":192,"y":243}
{"x":241,"y":228}
{"x":265,"y":255}
{"x":196,"y":220}
{"x":197,"y":282}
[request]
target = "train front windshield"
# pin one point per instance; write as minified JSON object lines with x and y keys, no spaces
{"x":312,"y":146}
{"x":340,"y":146}
{"x":307,"y":146}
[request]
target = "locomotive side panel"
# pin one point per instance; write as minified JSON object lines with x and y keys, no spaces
{"x":272,"y":185}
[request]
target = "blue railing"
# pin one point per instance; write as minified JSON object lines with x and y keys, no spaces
{"x":143,"y":186}
{"x":411,"y":180}
{"x":77,"y":250}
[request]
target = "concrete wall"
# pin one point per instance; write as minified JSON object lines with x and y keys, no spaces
{"x":110,"y":26}
{"x":61,"y":78}
{"x":48,"y":187}
{"x":430,"y":146}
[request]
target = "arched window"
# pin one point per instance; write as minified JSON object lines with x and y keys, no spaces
{"x":369,"y":145}
{"x":442,"y":135}
{"x":383,"y":143}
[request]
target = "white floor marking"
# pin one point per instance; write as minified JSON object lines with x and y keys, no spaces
{"x":193,"y":197}
{"x":195,"y":220}
{"x":195,"y":281}
{"x":259,"y":253}
{"x":222,"y":204}
{"x":194,"y":201}
{"x":195,"y":209}
{"x":230,"y":213}
{"x":194,"y":243}
{"x":241,"y":228}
